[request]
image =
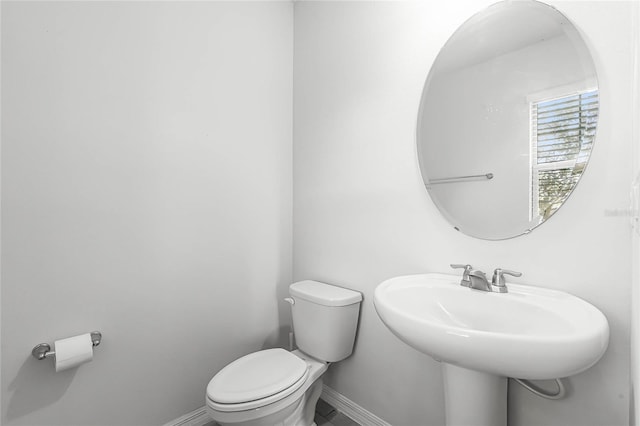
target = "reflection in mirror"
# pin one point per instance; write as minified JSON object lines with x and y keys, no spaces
{"x":507,"y":119}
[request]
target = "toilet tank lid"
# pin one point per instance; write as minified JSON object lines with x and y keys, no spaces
{"x":324,"y":294}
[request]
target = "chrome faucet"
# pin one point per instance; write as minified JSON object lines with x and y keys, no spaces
{"x":479,"y":280}
{"x":476,"y":279}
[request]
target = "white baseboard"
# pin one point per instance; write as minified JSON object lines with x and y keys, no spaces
{"x":197,"y":417}
{"x":350,"y":408}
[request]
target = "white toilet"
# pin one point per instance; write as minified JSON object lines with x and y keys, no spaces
{"x":274,"y":387}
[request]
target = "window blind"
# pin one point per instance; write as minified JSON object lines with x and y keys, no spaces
{"x":563,"y":130}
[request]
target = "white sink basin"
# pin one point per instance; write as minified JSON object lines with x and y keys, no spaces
{"x":529,"y":332}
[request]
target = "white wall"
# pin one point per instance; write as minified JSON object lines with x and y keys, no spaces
{"x":361,"y":214}
{"x":146,"y":193}
{"x":634,"y":408}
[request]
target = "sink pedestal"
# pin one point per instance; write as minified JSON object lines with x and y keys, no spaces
{"x":474,"y":398}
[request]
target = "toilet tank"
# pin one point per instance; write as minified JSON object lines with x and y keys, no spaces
{"x":325,"y":318}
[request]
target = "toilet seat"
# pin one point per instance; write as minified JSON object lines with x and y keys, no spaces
{"x":256,"y":380}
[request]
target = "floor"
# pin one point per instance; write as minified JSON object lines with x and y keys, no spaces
{"x":326,"y":415}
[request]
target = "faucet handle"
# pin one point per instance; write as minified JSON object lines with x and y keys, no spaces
{"x":465,"y":275}
{"x":498,"y":276}
{"x":467,"y":268}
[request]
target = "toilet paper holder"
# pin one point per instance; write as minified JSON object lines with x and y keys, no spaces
{"x":43,"y":350}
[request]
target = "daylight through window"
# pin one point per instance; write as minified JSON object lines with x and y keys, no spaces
{"x":562,"y":134}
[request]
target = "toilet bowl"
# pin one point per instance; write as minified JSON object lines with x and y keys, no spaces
{"x":280,"y":399}
{"x":275,"y":387}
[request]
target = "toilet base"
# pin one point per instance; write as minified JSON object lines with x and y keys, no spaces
{"x":300,"y":413}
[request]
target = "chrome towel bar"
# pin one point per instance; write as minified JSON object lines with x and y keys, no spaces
{"x":454,"y":179}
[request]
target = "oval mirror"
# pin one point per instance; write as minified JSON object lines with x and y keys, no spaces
{"x":507,"y":119}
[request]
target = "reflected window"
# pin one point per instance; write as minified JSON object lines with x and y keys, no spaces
{"x":562,"y":134}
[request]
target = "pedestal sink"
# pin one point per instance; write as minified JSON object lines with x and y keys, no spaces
{"x":482,"y":338}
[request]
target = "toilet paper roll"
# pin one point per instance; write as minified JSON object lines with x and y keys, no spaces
{"x":73,"y":351}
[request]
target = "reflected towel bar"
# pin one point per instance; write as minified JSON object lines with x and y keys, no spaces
{"x":454,"y":179}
